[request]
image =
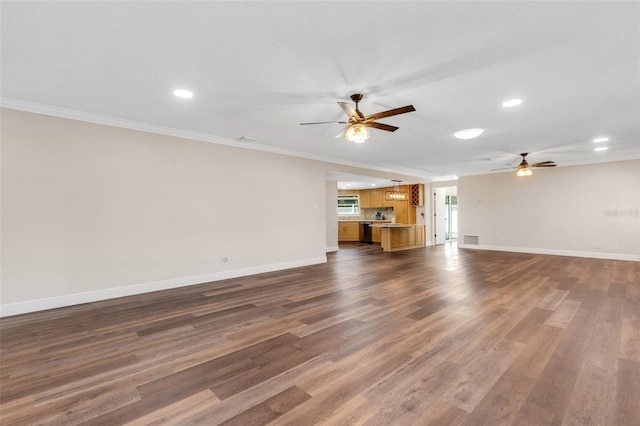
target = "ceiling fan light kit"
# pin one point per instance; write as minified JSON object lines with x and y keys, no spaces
{"x":357,"y":130}
{"x":357,"y":133}
{"x":524,"y":171}
{"x":524,"y":168}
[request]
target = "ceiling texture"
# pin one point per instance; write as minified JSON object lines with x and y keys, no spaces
{"x":258,"y":69}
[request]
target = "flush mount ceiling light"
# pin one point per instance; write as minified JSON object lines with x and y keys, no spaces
{"x":357,"y":133}
{"x":512,"y":103}
{"x":599,"y":140}
{"x":182,"y":93}
{"x":601,"y":148}
{"x":468,"y":133}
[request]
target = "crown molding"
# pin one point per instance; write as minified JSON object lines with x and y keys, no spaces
{"x":106,"y":120}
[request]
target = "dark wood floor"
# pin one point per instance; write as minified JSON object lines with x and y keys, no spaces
{"x":430,"y":336}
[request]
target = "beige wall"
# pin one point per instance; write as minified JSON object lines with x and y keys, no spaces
{"x":92,"y":211}
{"x":332,"y":216}
{"x":588,"y":210}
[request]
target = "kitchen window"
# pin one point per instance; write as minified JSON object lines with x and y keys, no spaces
{"x":348,"y":205}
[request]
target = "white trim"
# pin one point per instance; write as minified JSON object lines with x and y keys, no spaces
{"x":72,"y":114}
{"x":130,"y":290}
{"x":332,"y":249}
{"x":556,"y":252}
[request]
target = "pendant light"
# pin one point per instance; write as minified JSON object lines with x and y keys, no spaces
{"x":396,"y":194}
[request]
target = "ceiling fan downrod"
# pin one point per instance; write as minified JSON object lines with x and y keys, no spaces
{"x":357,"y":97}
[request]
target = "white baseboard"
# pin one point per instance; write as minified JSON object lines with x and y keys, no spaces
{"x":556,"y":252}
{"x":332,"y":249}
{"x":27,"y":306}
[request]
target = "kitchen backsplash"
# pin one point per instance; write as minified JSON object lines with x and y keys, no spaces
{"x":370,"y":214}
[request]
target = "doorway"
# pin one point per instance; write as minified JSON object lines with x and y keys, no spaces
{"x":445,"y":214}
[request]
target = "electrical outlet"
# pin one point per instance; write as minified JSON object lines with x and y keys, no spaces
{"x":614,"y":246}
{"x":596,"y":246}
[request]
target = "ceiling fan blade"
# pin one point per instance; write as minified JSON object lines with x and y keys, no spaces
{"x":348,"y":109}
{"x":324,"y":122}
{"x":503,"y":168}
{"x":395,"y":111}
{"x":543,"y":165}
{"x":381,"y":126}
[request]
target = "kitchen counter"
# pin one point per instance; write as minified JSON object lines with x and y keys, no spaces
{"x":398,"y":236}
{"x":365,"y":220}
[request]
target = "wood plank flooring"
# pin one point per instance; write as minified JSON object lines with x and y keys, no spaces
{"x":432,"y":336}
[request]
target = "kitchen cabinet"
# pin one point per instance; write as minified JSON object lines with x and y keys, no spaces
{"x":416,"y":235}
{"x":401,"y":211}
{"x":417,"y":194}
{"x":377,"y":197}
{"x":402,"y":237}
{"x":404,"y":210}
{"x":376,"y":234}
{"x":365,"y":199}
{"x":349,"y":231}
{"x":412,"y":215}
{"x":385,"y":202}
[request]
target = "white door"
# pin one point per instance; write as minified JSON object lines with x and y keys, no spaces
{"x":439,"y":216}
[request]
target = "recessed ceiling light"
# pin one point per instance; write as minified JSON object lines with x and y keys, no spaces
{"x":182,"y":93}
{"x":348,"y":184}
{"x":602,"y":148}
{"x":468,"y":133}
{"x":373,"y":184}
{"x":512,"y":103}
{"x":598,"y":140}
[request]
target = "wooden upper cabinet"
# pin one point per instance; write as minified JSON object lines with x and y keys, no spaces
{"x":417,"y":194}
{"x":377,"y":197}
{"x":365,"y":199}
{"x":385,"y":202}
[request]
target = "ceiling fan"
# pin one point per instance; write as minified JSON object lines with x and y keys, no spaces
{"x":524,"y":168}
{"x":358,"y":129}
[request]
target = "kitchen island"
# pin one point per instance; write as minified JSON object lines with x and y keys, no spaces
{"x":396,"y":236}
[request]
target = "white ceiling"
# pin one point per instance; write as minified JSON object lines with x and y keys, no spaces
{"x":257,"y":69}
